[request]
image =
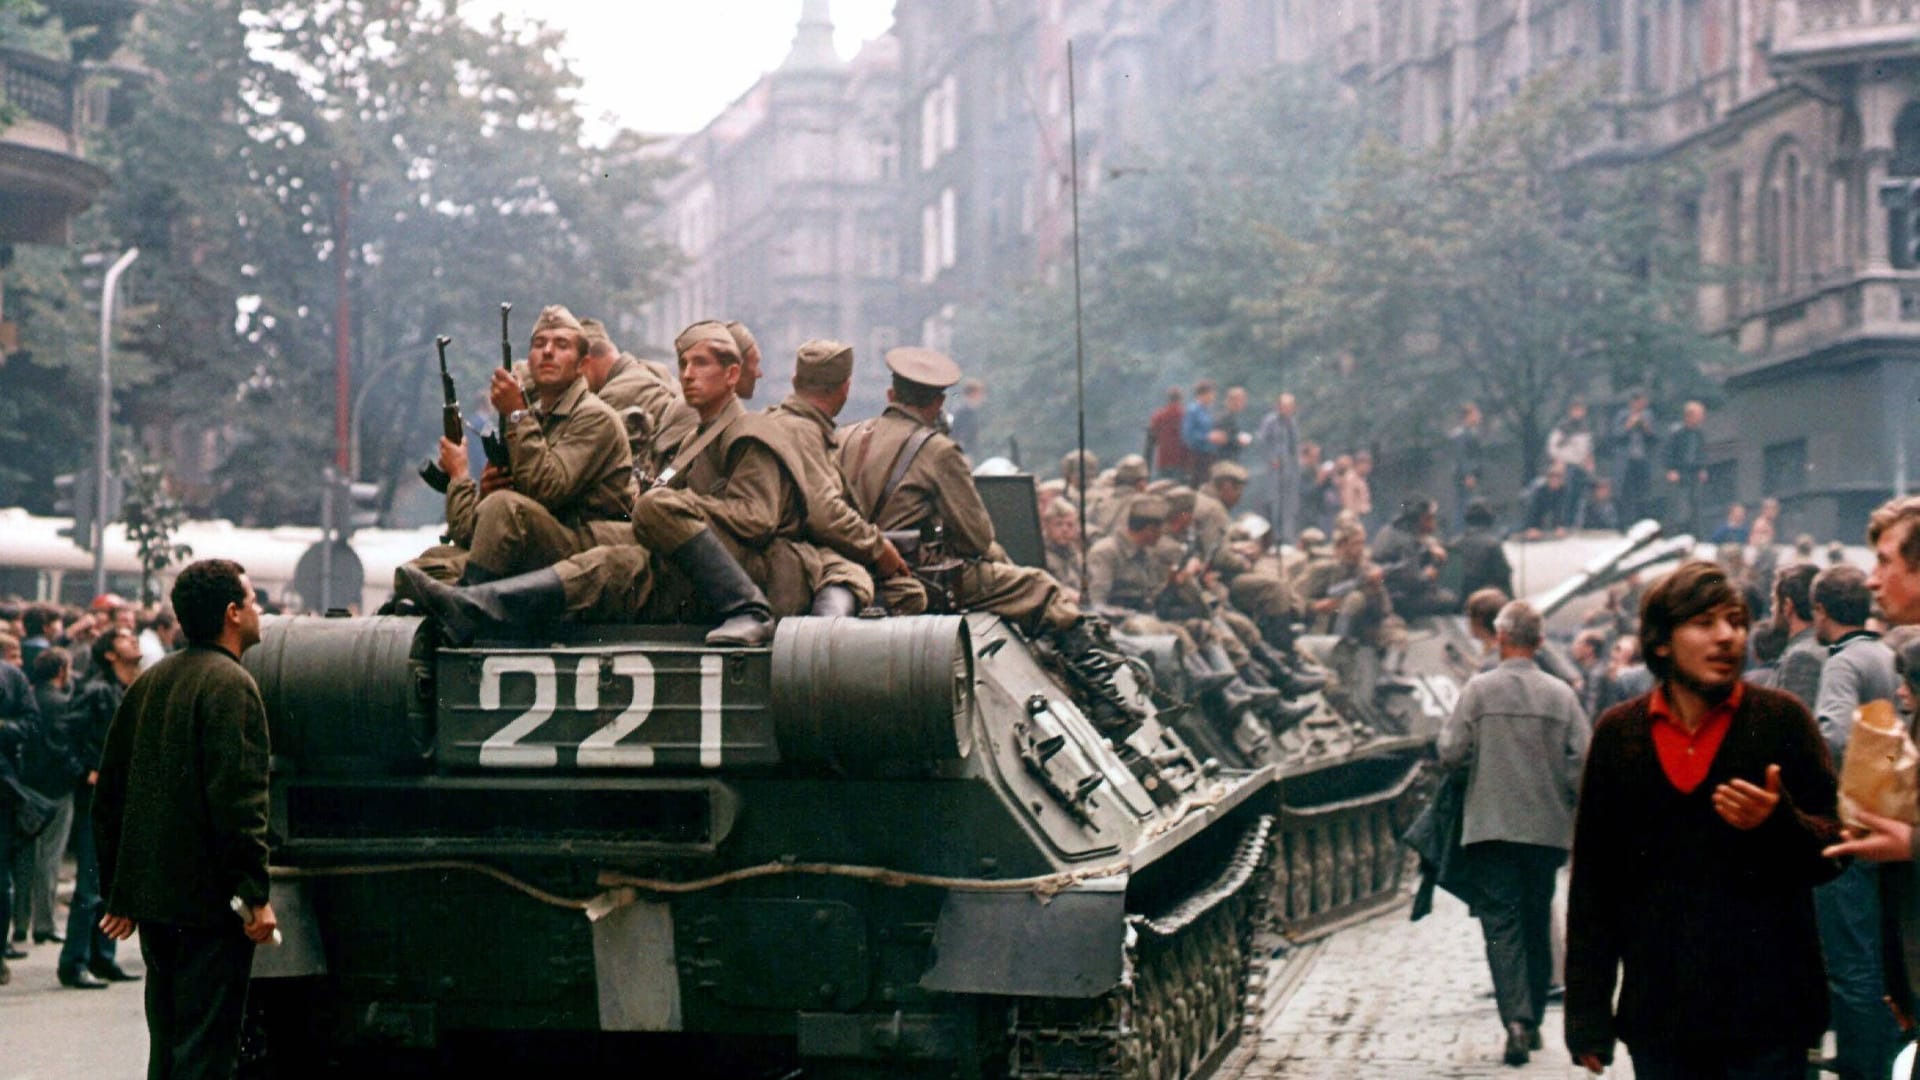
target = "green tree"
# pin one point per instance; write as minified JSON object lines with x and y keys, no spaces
{"x":1501,"y":266}
{"x":152,"y":517}
{"x":454,"y":156}
{"x":1185,"y":234}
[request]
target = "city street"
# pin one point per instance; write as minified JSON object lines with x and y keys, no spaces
{"x":48,"y":1032}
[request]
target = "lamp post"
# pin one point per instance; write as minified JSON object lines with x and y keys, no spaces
{"x":103,"y":434}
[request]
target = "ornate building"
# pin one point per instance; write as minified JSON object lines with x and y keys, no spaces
{"x":785,"y":213}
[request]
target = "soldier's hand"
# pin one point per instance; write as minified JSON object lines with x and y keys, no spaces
{"x":505,"y":392}
{"x":492,"y":480}
{"x":890,"y":564}
{"x":453,"y":459}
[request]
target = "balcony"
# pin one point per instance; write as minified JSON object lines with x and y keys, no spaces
{"x":44,"y":180}
{"x":1816,"y":33}
{"x":1881,"y":305}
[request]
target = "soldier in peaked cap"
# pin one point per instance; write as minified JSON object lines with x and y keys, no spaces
{"x":903,"y":474}
{"x":570,"y":485}
{"x":1110,"y":500}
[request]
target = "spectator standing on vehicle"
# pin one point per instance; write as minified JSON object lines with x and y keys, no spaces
{"x":181,"y":818}
{"x":1685,"y":458}
{"x":1467,"y":442}
{"x":1166,"y":447}
{"x":1523,"y":736}
{"x":1697,"y":843}
{"x":1196,"y":431}
{"x":1635,"y":437}
{"x":1570,"y":443}
{"x":1279,"y":443}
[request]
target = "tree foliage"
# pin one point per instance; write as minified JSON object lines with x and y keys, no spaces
{"x":152,"y":517}
{"x":1184,"y":236}
{"x":1499,"y":267}
{"x":451,"y":159}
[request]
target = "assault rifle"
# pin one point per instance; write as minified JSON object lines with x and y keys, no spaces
{"x":492,"y":441}
{"x":451,"y":425}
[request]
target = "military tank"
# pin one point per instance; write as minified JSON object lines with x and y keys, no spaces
{"x":876,"y":847}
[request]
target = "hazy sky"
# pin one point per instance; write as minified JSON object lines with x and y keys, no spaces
{"x":668,"y":66}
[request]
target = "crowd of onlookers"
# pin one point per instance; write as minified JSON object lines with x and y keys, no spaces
{"x":63,"y":669}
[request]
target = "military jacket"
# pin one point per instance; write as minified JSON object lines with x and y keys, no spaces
{"x":632,"y":384}
{"x":807,"y":434}
{"x":745,"y":480}
{"x":938,"y":486}
{"x":1211,"y":519}
{"x":573,"y":458}
{"x":1122,"y":574}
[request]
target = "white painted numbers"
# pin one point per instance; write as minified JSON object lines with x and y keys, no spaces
{"x":610,"y":744}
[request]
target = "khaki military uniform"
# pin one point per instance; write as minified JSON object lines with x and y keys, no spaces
{"x":832,"y":523}
{"x":1064,"y":564}
{"x":572,"y":490}
{"x":938,"y":487}
{"x":1211,"y":520}
{"x":1125,"y":576}
{"x":1365,"y":608}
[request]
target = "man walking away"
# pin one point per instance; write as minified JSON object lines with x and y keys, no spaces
{"x":181,"y":817}
{"x":1859,"y":669}
{"x":1521,"y":733}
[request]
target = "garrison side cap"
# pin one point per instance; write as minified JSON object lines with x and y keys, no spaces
{"x":927,"y":367}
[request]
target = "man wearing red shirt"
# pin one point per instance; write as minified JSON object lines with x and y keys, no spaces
{"x":1165,"y":448}
{"x":1697,"y":843}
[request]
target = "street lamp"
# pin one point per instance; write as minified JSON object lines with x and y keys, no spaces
{"x":103,"y":434}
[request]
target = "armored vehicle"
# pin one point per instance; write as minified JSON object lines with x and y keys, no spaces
{"x":887,"y":847}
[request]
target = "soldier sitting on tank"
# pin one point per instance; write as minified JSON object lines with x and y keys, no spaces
{"x":1060,"y":528}
{"x":1347,"y":593}
{"x":1214,"y":503}
{"x":728,"y":503}
{"x":1109,"y":502}
{"x":569,"y":485}
{"x":1411,"y":556}
{"x":622,"y":381}
{"x":1202,"y":600}
{"x":856,"y":552}
{"x":907,"y":477}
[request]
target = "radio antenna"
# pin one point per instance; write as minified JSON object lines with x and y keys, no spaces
{"x":1079,"y":332}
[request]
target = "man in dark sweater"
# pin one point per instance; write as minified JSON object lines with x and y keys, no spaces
{"x":88,"y":959}
{"x":180,"y":814}
{"x":1697,"y":843}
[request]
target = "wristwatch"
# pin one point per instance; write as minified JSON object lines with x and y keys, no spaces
{"x":517,"y":415}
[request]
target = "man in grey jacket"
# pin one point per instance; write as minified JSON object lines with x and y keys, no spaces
{"x":1859,"y":669}
{"x":1522,"y":734}
{"x":1800,"y":664}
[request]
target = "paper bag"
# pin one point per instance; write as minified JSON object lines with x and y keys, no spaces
{"x":1882,"y":770}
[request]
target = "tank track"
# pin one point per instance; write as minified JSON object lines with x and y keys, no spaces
{"x":1337,"y":862}
{"x":1185,"y":1002}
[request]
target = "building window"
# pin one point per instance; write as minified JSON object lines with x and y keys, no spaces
{"x":929,"y":243}
{"x":948,"y":230}
{"x":949,"y":113}
{"x":930,"y":130}
{"x":1783,"y":467}
{"x":884,"y":338}
{"x":1784,"y":193}
{"x":1906,"y":143}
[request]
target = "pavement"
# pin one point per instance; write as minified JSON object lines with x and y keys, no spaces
{"x":1392,"y":999}
{"x":48,"y":1032}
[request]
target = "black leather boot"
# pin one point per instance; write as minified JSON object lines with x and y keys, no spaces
{"x":835,"y":601}
{"x":509,"y":604}
{"x":1291,"y":679}
{"x":1202,"y":678}
{"x":746,"y":618}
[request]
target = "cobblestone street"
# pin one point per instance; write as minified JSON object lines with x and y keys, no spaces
{"x":1391,"y":999}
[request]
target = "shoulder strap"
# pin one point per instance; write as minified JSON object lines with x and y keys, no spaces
{"x":687,"y":453}
{"x":901,"y":463}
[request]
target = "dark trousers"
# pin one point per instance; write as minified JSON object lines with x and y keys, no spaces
{"x":196,"y":997}
{"x":86,"y":947}
{"x":1761,"y":1063}
{"x":10,"y":841}
{"x":1516,"y":916}
{"x":1847,"y":911}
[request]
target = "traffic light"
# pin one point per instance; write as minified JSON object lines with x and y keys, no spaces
{"x":1902,"y":200}
{"x":73,"y":497}
{"x":348,"y":504}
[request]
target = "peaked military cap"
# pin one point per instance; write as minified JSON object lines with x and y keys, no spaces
{"x":924,"y":366}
